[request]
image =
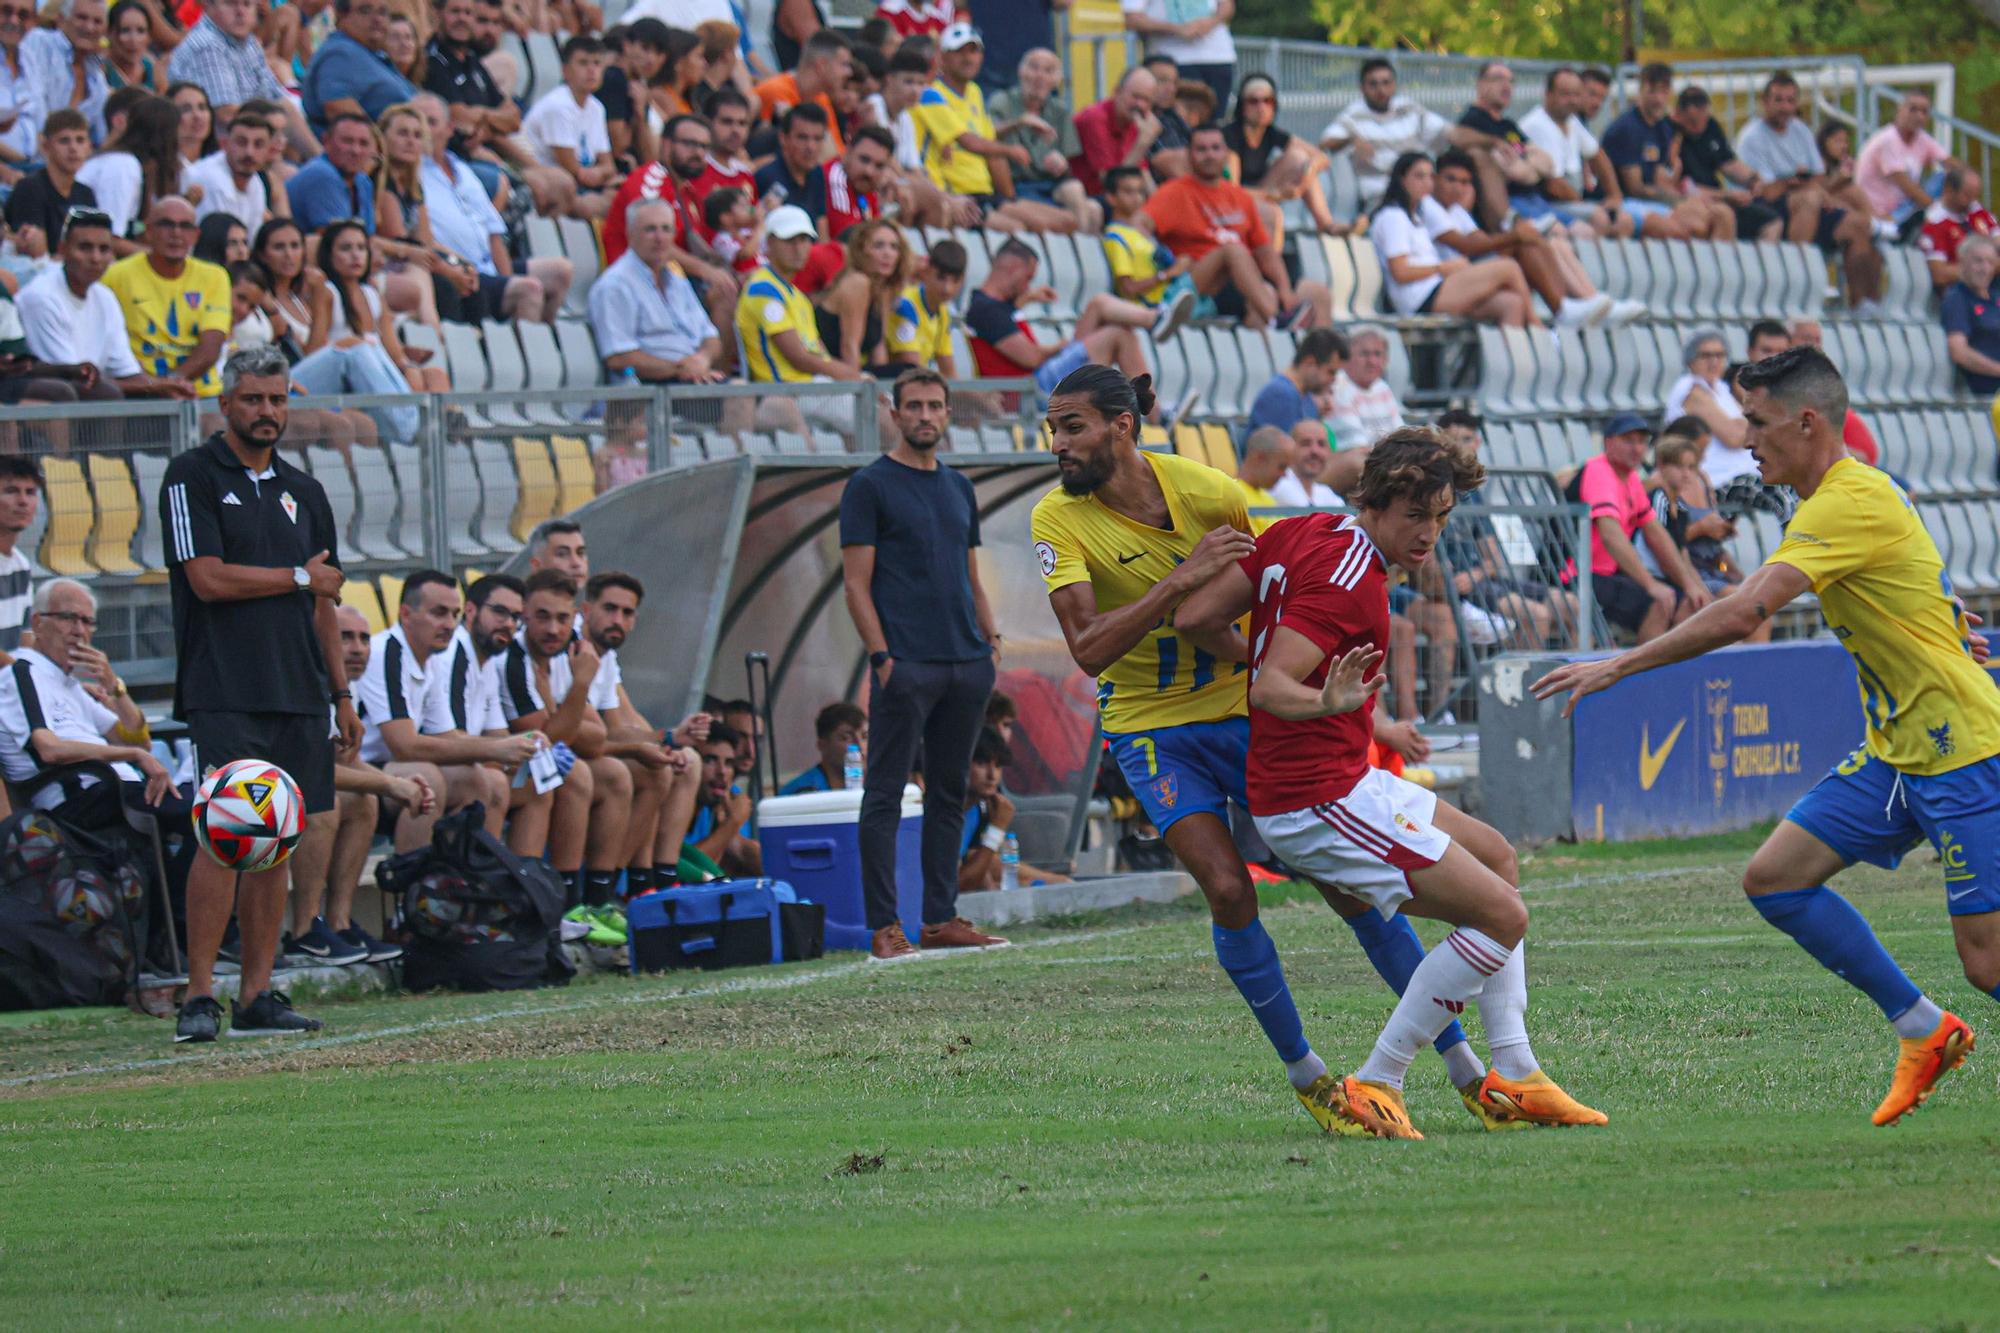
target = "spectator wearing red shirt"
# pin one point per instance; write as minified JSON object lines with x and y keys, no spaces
{"x":1003,"y":347}
{"x":1119,"y":131}
{"x":1955,"y":214}
{"x":917,"y":18}
{"x":858,"y":183}
{"x":728,"y":130}
{"x":1214,"y":222}
{"x":1620,"y":511}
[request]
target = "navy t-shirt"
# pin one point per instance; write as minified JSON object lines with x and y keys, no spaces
{"x":923,"y":526}
{"x":1630,"y":142}
{"x":1279,"y":404}
{"x":1978,"y":318}
{"x":809,"y":194}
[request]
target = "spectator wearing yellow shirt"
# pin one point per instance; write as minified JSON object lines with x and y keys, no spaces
{"x":919,"y":332}
{"x":1267,"y":457}
{"x":176,"y":307}
{"x":961,"y":153}
{"x":1130,"y":247}
{"x":779,"y":333}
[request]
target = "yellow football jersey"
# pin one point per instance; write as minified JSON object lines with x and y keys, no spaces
{"x":917,"y":330}
{"x":1166,"y":681}
{"x":165,"y":318}
{"x":941,"y":116}
{"x":770,"y":306}
{"x":1884,"y":593}
{"x":1256,"y":497}
{"x":1132,"y":253}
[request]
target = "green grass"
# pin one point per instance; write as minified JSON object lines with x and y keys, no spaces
{"x":1084,"y":1131}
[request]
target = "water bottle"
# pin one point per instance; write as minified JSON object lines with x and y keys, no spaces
{"x":851,"y":773}
{"x":1010,"y":862}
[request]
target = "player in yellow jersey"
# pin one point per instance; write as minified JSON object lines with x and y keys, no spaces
{"x":1125,"y":538}
{"x":1930,"y":768}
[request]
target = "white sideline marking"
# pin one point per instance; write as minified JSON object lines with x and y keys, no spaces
{"x":732,"y":986}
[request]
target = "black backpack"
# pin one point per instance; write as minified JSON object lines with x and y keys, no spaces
{"x":479,"y":917}
{"x":72,"y":915}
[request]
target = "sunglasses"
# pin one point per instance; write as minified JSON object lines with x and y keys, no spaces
{"x":85,"y":216}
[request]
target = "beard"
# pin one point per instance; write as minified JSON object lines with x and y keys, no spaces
{"x":924,"y":443}
{"x":1088,"y":476}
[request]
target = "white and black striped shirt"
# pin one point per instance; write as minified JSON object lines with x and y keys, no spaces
{"x":396,"y":687}
{"x":38,"y":695}
{"x":17,"y":597}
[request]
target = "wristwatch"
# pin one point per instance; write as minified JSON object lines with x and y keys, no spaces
{"x":877,"y":659}
{"x":300,"y":579}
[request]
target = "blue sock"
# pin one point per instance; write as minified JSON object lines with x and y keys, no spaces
{"x":1251,"y":960}
{"x":1394,"y":949}
{"x":1827,"y":927}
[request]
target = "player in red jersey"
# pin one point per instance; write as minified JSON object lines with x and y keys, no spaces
{"x":1317,"y":591}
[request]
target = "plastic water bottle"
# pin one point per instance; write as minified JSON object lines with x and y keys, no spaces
{"x":851,"y":772}
{"x":1010,"y":863}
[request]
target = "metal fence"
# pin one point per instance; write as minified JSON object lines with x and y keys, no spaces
{"x":1530,"y":593}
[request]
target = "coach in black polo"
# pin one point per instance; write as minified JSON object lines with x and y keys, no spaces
{"x":253,"y":555}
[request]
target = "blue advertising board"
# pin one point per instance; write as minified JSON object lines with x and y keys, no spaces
{"x":1720,"y":742}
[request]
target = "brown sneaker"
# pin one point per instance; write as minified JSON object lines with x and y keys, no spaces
{"x":958,"y":933}
{"x":891,"y":945}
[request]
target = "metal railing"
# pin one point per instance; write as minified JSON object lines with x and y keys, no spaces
{"x":1531,"y":593}
{"x":1830,"y":86}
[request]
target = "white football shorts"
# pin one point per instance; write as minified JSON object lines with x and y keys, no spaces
{"x":1366,"y":842}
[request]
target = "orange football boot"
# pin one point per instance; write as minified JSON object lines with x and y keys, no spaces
{"x":1923,"y":1062}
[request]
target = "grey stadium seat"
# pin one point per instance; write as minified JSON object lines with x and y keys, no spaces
{"x":582,"y":367}
{"x":329,"y":469}
{"x":461,"y":500}
{"x":375,"y":489}
{"x":499,"y":493}
{"x":580,"y":244}
{"x":506,"y":373}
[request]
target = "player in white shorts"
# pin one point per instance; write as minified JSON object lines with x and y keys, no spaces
{"x":1317,"y":590}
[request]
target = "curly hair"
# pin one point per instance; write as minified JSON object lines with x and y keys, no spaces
{"x":1415,"y":463}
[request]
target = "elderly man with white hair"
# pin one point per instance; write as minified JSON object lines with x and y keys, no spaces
{"x":61,"y":703}
{"x":1365,"y":405}
{"x":64,"y":65}
{"x":645,"y":315}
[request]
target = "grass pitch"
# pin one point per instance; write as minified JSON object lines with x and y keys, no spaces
{"x":1087,"y":1130}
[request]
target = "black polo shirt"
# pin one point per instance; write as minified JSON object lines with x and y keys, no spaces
{"x":1703,"y":156}
{"x":36,"y":202}
{"x":809,"y":194}
{"x":460,"y":79}
{"x":262,"y":654}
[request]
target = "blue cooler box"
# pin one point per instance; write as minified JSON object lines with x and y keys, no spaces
{"x":812,"y":842}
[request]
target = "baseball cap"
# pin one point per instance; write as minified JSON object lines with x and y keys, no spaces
{"x":788,"y":222}
{"x":1625,"y":423}
{"x":960,"y":35}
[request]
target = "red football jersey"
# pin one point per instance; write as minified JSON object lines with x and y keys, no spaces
{"x":653,"y":181}
{"x":845,"y":206}
{"x":1318,"y":575}
{"x":734,"y":175}
{"x":915,"y":18}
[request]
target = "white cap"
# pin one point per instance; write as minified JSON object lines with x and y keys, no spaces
{"x":960,"y":35}
{"x":788,"y":222}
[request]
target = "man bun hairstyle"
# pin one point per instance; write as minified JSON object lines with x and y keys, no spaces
{"x":1109,"y":392}
{"x":1415,"y":463}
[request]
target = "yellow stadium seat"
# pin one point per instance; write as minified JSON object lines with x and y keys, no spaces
{"x":70,"y":518}
{"x":1155,"y":437}
{"x":1221,"y":450}
{"x":117,"y":514}
{"x":541,"y":496}
{"x":470,"y":577}
{"x":575,"y":471}
{"x":363,"y":598}
{"x":391,"y":588}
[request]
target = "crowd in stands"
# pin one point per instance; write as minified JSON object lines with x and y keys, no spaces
{"x":329,"y":182}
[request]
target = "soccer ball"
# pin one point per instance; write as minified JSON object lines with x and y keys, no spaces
{"x":249,"y":815}
{"x":83,"y":901}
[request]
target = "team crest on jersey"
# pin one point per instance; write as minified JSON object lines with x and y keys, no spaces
{"x":1405,"y":823}
{"x":1047,"y":555}
{"x":291,"y":506}
{"x":1167,"y":789}
{"x":1941,"y":737}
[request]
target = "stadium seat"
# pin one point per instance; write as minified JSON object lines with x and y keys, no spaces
{"x":1724,"y":269}
{"x":1063,"y":271}
{"x":362,"y":596}
{"x":117,"y":514}
{"x":512,"y":44}
{"x":1933,"y":375}
{"x":964,"y":440}
{"x":70,"y":518}
{"x":824,"y":442}
{"x":580,"y":244}
{"x":1341,"y":187}
{"x":148,"y":546}
{"x":1498,"y":448}
{"x":1506,"y":371}
{"x":1229,"y":346}
{"x":461,"y":501}
{"x":329,"y":469}
{"x":1682,"y":301}
{"x":1907,"y":283}
{"x":375,"y":494}
{"x":544,"y":237}
{"x":499,"y":492}
{"x":544,"y":360}
{"x":1155,"y":437}
{"x":506,"y":374}
{"x":540,"y":496}
{"x":583,"y":368}
{"x":574,"y":472}
{"x":406,"y":461}
{"x":543,"y":65}
{"x":1545,"y":389}
{"x":1340,"y":276}
{"x":977,"y":263}
{"x":1221,"y":446}
{"x":465,"y":358}
{"x":1367,"y":300}
{"x":390,"y":588}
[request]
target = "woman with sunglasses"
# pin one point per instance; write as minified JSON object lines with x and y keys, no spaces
{"x":1272,"y":164}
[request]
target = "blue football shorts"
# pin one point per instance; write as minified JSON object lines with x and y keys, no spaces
{"x":1866,"y":811}
{"x":1196,"y":768}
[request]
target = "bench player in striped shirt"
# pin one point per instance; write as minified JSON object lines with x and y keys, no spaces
{"x":1317,"y":591}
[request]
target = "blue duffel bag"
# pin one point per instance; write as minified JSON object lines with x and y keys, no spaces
{"x":724,"y":923}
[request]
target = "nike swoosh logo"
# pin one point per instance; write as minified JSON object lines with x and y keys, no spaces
{"x":1954,"y":897}
{"x":1259,"y":1004}
{"x":1128,"y":559}
{"x":1651,"y":761}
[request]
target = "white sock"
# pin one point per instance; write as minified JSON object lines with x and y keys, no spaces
{"x":1305,"y":1071}
{"x":1450,"y":977}
{"x":1920,"y":1019}
{"x":1463,"y":1066}
{"x":1503,"y":1010}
